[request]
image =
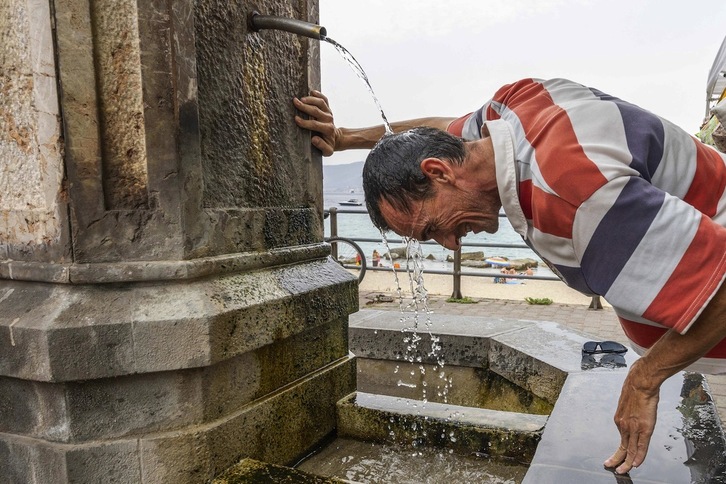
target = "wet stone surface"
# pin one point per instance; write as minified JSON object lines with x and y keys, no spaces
{"x":250,"y":471}
{"x":457,"y":385}
{"x":465,"y":430}
{"x":358,"y":461}
{"x":688,"y":445}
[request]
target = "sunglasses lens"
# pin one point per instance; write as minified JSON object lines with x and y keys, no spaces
{"x":612,"y":347}
{"x":593,"y":347}
{"x":589,"y":347}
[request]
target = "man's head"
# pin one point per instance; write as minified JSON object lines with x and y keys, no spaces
{"x":425,"y":183}
{"x":392,"y":171}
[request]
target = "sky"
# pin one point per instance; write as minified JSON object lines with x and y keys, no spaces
{"x":446,"y":57}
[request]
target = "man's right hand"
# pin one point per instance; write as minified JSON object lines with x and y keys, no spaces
{"x":325,"y":134}
{"x":328,"y":138}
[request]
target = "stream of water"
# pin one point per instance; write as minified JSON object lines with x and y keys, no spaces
{"x":414,"y":267}
{"x":358,"y":69}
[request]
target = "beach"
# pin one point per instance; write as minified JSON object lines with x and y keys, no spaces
{"x":477,"y":287}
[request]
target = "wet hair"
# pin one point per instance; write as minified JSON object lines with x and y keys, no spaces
{"x":392,"y":171}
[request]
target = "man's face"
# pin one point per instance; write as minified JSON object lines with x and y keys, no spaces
{"x":452,"y":213}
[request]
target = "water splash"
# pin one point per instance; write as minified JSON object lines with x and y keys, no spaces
{"x":417,"y":306}
{"x":358,"y":69}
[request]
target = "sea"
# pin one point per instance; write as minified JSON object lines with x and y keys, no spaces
{"x":358,"y":225}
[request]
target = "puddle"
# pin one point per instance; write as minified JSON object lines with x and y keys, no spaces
{"x":366,"y":462}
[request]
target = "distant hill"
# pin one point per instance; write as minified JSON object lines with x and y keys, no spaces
{"x":343,"y":178}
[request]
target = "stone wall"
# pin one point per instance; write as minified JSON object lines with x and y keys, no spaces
{"x":33,"y":222}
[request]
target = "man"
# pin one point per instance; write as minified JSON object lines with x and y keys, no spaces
{"x":616,"y":200}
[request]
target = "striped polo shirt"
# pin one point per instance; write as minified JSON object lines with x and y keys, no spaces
{"x":616,"y":200}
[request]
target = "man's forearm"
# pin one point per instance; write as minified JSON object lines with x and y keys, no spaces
{"x":329,"y":138}
{"x":674,"y":352}
{"x":366,"y":138}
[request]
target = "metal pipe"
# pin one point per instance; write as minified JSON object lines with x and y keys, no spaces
{"x":334,"y":230}
{"x":456,"y":294}
{"x":259,"y":22}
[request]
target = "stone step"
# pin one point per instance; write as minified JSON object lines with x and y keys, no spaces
{"x":382,"y":418}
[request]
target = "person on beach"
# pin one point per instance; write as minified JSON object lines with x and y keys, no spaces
{"x":616,"y":200}
{"x":376,"y":258}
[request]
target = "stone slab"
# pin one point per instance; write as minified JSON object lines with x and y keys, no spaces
{"x":539,"y":358}
{"x":439,"y":324}
{"x":112,"y":462}
{"x":64,"y":333}
{"x":29,"y":460}
{"x":380,"y":418}
{"x":21,"y":458}
{"x":464,"y":341}
{"x":37,"y":409}
{"x":132,"y":405}
{"x":552,"y":343}
{"x":688,"y":444}
{"x":458,"y":385}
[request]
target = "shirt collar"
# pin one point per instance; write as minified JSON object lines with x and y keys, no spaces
{"x":503,"y":141}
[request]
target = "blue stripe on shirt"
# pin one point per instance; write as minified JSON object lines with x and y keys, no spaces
{"x":480,"y":119}
{"x":629,"y":218}
{"x":640,"y":125}
{"x":573,"y":277}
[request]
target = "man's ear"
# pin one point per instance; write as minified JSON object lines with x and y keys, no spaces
{"x":437,"y":170}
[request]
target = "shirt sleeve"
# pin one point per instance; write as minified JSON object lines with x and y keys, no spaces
{"x":469,"y":126}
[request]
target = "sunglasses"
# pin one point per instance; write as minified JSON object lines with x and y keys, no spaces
{"x":596,"y":347}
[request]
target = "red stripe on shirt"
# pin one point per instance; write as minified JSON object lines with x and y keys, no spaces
{"x":561,"y":160}
{"x":457,"y":126}
{"x":696,"y":277}
{"x":645,"y":336}
{"x":554,"y":215}
{"x":491,"y":114}
{"x":709,"y":181}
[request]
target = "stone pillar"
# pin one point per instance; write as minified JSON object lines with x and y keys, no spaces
{"x":167,"y":305}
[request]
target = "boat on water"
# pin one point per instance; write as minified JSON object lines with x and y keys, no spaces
{"x":353,"y":202}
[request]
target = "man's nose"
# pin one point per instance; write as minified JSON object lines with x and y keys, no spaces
{"x":450,"y":241}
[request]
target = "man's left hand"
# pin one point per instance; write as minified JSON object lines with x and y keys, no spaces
{"x":635,"y":419}
{"x":636,"y":413}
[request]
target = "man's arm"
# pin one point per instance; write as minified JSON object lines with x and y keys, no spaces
{"x":330,"y":138}
{"x":636,"y":413}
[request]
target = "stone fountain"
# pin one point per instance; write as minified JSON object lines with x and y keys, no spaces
{"x":167,"y":305}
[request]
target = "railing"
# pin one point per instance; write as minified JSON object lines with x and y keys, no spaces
{"x":457,"y":273}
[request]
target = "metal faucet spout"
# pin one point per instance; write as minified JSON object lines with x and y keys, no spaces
{"x":259,"y":22}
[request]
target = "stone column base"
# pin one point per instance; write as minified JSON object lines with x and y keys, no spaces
{"x":173,"y":381}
